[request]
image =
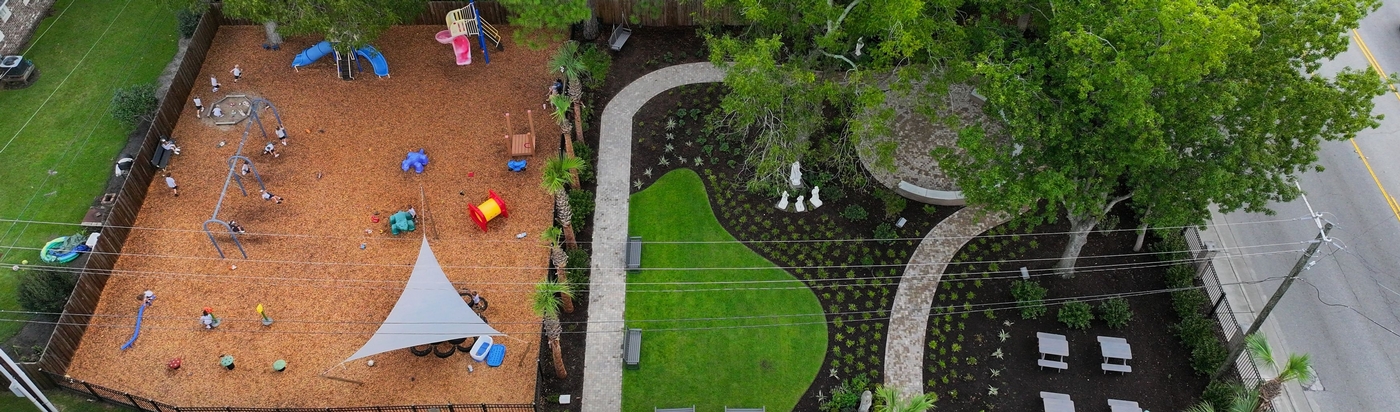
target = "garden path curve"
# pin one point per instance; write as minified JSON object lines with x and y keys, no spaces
{"x":602,"y":362}
{"x":904,"y":344}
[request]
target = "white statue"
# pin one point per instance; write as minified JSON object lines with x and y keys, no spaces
{"x":801,"y":206}
{"x":866,"y":399}
{"x":795,"y":179}
{"x":782,"y":204}
{"x":816,"y":201}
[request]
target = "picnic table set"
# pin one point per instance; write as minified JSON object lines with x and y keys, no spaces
{"x":1054,"y":351}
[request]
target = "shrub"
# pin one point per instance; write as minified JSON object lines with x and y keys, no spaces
{"x":1030,"y":298}
{"x":187,"y":21}
{"x":582,"y":203}
{"x":930,"y":209}
{"x":855,"y":213}
{"x":588,"y":174}
{"x":1076,"y":315}
{"x":578,"y":265}
{"x":1115,"y":312}
{"x":885,"y":232}
{"x":847,"y":396}
{"x":596,"y":63}
{"x":133,"y":104}
{"x":1188,"y":303}
{"x":45,"y":290}
{"x":1219,"y":394}
{"x":1181,"y":276}
{"x":894,"y":203}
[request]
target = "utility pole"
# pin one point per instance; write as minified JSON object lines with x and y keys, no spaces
{"x":1237,"y":344}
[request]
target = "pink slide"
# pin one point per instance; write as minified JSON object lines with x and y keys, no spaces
{"x":461,"y":46}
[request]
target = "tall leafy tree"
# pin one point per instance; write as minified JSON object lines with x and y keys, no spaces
{"x":1175,"y":104}
{"x":1298,"y":367}
{"x":543,"y":22}
{"x":545,"y":302}
{"x":803,"y":62}
{"x":349,"y":24}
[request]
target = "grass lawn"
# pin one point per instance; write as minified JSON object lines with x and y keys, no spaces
{"x":759,"y":365}
{"x":65,"y":401}
{"x":60,"y":124}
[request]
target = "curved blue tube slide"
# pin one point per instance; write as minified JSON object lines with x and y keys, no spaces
{"x":376,"y":59}
{"x":139,"y":314}
{"x":313,"y":53}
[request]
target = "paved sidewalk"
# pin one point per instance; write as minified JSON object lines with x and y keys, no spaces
{"x":602,"y":362}
{"x":904,"y":346}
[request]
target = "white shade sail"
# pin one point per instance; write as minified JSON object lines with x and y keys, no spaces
{"x":428,"y":311}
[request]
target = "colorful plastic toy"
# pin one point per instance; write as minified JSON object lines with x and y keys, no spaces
{"x":492,"y":207}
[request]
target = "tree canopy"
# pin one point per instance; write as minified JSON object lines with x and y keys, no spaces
{"x":349,"y":24}
{"x":543,"y":22}
{"x":1176,"y":104}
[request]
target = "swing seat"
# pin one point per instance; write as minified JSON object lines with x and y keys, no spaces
{"x":619,"y":37}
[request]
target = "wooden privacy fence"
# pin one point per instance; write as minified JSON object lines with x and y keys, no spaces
{"x":646,"y":12}
{"x":146,"y":404}
{"x":127,"y":204}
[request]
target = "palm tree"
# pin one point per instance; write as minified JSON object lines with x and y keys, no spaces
{"x":890,"y":402}
{"x":1298,"y":368}
{"x":546,"y":305}
{"x":554,"y":180}
{"x":561,"y":109}
{"x":568,"y":61}
{"x":1244,"y":400}
{"x":560,"y":260}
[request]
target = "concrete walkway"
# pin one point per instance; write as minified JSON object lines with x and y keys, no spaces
{"x":904,"y":346}
{"x":602,"y":362}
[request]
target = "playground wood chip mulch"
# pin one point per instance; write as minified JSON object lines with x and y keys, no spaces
{"x":306,"y":264}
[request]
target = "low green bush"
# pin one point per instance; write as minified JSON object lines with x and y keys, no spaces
{"x":846,"y":397}
{"x":578,"y":269}
{"x":1030,"y":298}
{"x":588,"y":174}
{"x":1076,"y":315}
{"x":885,"y":232}
{"x":1115,"y":312}
{"x":597,"y":63}
{"x":855,"y":212}
{"x":1181,"y":276}
{"x":894,"y":203}
{"x":45,"y":290}
{"x":581,"y":201}
{"x":930,"y":209}
{"x":187,"y":21}
{"x":133,"y":104}
{"x":1188,"y":303}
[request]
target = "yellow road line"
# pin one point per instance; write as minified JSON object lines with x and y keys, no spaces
{"x":1390,"y":201}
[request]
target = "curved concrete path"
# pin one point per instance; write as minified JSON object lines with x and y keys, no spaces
{"x":602,"y":362}
{"x":904,"y":344}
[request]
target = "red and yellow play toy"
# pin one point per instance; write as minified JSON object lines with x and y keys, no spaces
{"x":492,"y":207}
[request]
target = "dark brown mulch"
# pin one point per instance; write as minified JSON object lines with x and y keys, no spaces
{"x":1162,"y":378}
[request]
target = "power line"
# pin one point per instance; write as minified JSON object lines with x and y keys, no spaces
{"x":470,"y":241}
{"x":985,"y":307}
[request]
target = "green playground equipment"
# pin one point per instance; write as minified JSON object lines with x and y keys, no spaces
{"x":401,"y":222}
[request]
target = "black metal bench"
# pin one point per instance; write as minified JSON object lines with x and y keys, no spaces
{"x":632,"y":349}
{"x":634,"y":253}
{"x":161,"y":159}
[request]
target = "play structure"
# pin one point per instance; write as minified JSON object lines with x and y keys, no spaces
{"x":461,"y":25}
{"x":64,"y":249}
{"x":140,"y":314}
{"x":516,"y":165}
{"x":492,"y":207}
{"x":521,"y":144}
{"x":481,"y":348}
{"x":345,"y":64}
{"x":401,"y":222}
{"x":255,"y":108}
{"x":415,"y":160}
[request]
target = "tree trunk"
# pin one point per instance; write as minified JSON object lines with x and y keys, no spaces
{"x":590,"y":24}
{"x":1079,"y":228}
{"x":565,"y":215}
{"x":578,"y":124}
{"x":559,"y":370}
{"x":569,"y":151}
{"x":569,"y":235}
{"x":270,"y":30}
{"x":1142,"y":235}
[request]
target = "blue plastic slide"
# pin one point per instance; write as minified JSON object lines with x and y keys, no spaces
{"x":311,"y":54}
{"x":376,"y":59}
{"x":139,"y":314}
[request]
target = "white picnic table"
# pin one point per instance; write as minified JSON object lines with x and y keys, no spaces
{"x":1056,"y":402}
{"x":1052,"y":344}
{"x":1115,"y":348}
{"x":1123,"y":406}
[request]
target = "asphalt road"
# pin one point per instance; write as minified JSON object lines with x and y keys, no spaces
{"x":1345,"y":312}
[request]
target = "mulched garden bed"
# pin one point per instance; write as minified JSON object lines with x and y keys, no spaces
{"x":960,"y":361}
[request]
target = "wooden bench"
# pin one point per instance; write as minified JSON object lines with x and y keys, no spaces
{"x":1057,"y":365}
{"x":1107,"y":367}
{"x":634,"y":253}
{"x":632,"y":349}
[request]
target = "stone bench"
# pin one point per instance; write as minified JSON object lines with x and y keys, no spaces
{"x":930,"y":196}
{"x":634,"y":253}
